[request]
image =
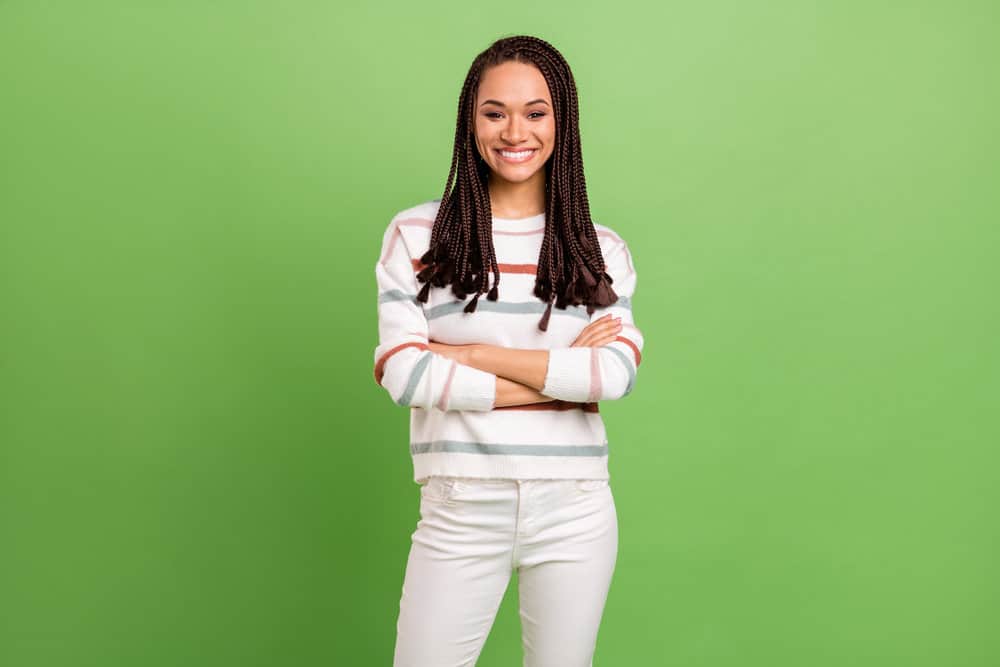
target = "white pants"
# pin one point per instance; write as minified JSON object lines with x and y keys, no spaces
{"x":560,"y":535}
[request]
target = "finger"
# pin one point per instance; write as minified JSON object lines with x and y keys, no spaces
{"x":602,"y":326}
{"x":610,"y":325}
{"x":599,"y":324}
{"x":612,"y":332}
{"x":599,"y":320}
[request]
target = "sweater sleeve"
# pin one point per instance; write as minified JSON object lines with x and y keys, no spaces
{"x":587,"y":374}
{"x":405,"y":366}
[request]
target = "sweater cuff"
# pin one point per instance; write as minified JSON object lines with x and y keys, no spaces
{"x":568,"y":375}
{"x":472,"y":389}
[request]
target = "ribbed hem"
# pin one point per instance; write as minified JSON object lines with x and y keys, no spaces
{"x":486,"y":466}
{"x":568,"y":376}
{"x":472,"y":389}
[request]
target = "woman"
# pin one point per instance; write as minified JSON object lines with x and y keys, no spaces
{"x":505,"y":434}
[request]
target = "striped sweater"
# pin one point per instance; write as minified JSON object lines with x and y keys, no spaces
{"x":455,"y":429}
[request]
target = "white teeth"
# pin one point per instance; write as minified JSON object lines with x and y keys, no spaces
{"x":516,"y":156}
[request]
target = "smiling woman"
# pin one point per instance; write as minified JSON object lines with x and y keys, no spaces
{"x":516,"y":136}
{"x":505,"y":434}
{"x":504,"y":107}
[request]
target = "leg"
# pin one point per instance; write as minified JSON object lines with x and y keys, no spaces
{"x":458,"y":569}
{"x":568,"y":559}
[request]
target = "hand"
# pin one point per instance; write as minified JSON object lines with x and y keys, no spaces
{"x":599,"y":332}
{"x":459,"y":353}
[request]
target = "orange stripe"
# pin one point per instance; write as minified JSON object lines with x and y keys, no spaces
{"x":504,"y":268}
{"x":391,"y":245}
{"x":396,"y":234}
{"x":380,"y":364}
{"x":518,"y":268}
{"x":635,"y":348}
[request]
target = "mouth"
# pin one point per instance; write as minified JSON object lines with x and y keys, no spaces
{"x":515,"y":157}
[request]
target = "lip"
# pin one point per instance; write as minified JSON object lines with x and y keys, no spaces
{"x":500,"y":154}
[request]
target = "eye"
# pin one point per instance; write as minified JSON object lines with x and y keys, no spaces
{"x":497,"y":114}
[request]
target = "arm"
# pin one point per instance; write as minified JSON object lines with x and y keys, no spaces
{"x":510,"y":392}
{"x":579,"y":373}
{"x":526,"y":367}
{"x":405,"y":366}
{"x":529,"y":367}
{"x":606,"y":372}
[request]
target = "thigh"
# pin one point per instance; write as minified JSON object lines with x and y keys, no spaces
{"x":458,"y":568}
{"x":565,"y":575}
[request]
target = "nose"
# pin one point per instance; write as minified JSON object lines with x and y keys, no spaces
{"x":514,"y":132}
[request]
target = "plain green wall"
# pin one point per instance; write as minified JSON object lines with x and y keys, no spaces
{"x":197,"y":467}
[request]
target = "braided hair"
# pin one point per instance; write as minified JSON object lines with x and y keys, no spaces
{"x":571,"y":268}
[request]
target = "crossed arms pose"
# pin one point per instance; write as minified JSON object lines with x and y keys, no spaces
{"x":521,"y":373}
{"x":419,"y":372}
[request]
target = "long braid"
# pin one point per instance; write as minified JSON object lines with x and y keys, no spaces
{"x":571,"y":268}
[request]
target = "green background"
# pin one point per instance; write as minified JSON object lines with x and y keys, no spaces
{"x":197,"y":467}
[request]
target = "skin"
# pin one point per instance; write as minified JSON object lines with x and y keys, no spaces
{"x":514,"y":112}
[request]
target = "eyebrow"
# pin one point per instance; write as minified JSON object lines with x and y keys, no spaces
{"x":501,"y":104}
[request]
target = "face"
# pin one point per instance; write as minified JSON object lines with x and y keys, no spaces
{"x":515,"y":124}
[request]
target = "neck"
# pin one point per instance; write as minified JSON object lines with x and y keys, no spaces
{"x":517,"y":200}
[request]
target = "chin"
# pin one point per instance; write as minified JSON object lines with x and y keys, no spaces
{"x":515,"y":176}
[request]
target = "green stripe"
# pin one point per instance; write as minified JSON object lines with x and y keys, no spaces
{"x":511,"y":307}
{"x":397,"y":295}
{"x":628,"y":367}
{"x":515,"y":450}
{"x":415,"y":375}
{"x":622,"y":302}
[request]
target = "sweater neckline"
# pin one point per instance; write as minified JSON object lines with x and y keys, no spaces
{"x":528,"y":224}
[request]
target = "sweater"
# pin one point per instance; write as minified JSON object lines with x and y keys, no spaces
{"x":455,"y":430}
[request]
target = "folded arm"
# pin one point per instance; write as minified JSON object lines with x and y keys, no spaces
{"x":510,"y":393}
{"x":579,"y":373}
{"x":607,"y":371}
{"x":527,"y":367}
{"x":405,"y":365}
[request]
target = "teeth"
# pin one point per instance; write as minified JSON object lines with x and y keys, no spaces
{"x":517,"y":155}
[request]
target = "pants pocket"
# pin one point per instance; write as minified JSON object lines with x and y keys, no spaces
{"x":591,"y":485}
{"x":440,"y":489}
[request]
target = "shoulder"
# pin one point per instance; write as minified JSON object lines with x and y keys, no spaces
{"x":426,"y":211}
{"x":611,"y":241}
{"x":415,"y":220}
{"x":606,"y":231}
{"x":617,"y":257}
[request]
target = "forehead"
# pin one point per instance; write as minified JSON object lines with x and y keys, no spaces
{"x":513,"y":83}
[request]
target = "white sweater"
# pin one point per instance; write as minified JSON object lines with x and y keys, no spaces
{"x":455,"y":429}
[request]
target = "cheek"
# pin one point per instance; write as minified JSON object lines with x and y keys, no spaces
{"x":549,"y":133}
{"x":550,"y":138}
{"x":483,"y":129}
{"x":478,"y":138}
{"x":482,"y":135}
